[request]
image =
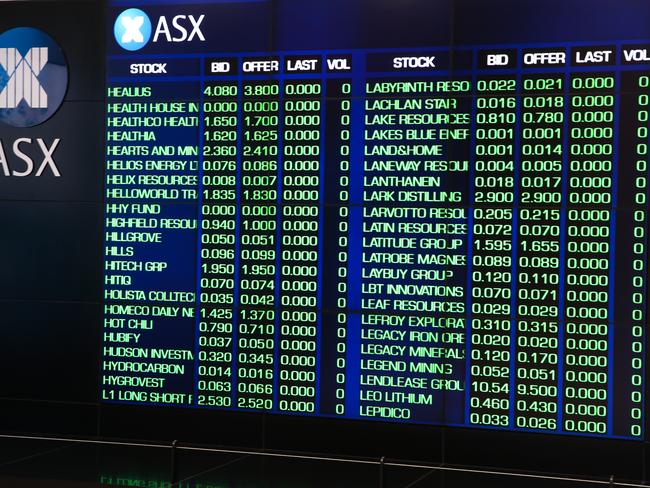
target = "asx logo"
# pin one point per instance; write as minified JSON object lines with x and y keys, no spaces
{"x":133,"y":29}
{"x":33,"y":83}
{"x":33,"y":77}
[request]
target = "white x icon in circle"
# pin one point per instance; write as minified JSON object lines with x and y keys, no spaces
{"x":132,"y":26}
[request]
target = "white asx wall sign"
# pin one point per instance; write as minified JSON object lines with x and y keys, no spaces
{"x":33,"y":83}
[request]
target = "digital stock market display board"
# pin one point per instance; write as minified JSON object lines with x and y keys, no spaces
{"x":429,"y":234}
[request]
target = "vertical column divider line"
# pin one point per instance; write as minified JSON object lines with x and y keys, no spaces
{"x":470,"y":238}
{"x":519,"y":96}
{"x":199,"y":233}
{"x":612,"y":253}
{"x":321,"y":223}
{"x":561,"y":320}
{"x":278,"y":239}
{"x":238,"y":215}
